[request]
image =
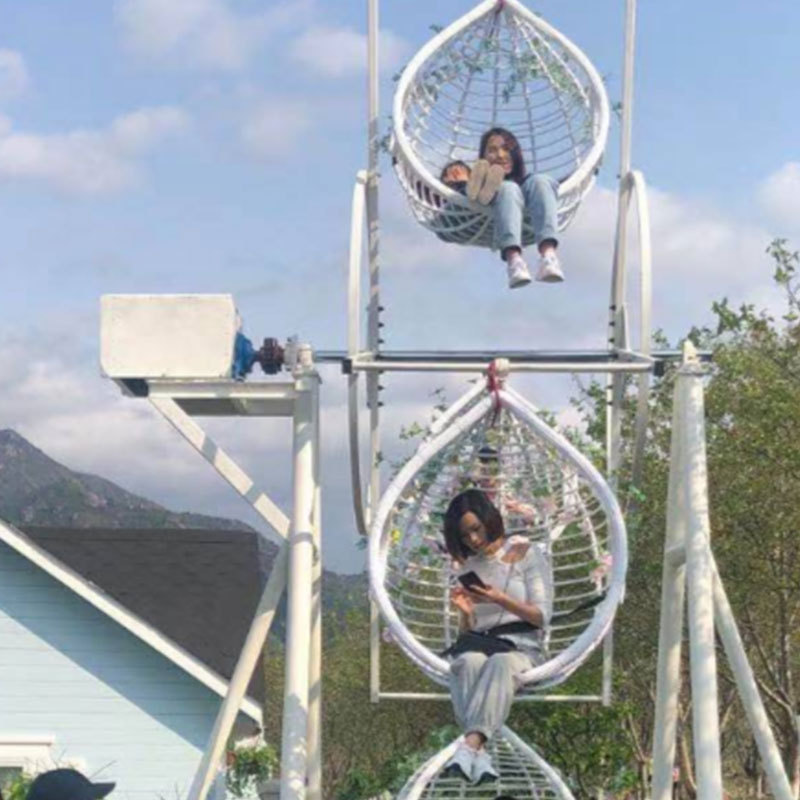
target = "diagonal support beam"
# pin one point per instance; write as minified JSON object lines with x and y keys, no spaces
{"x":223,"y":464}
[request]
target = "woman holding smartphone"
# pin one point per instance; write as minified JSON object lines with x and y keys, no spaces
{"x":504,"y":600}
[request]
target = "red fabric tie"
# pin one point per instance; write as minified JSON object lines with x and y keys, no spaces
{"x":493,"y":383}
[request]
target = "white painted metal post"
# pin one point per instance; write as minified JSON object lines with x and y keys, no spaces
{"x":668,"y":675}
{"x":700,"y":576}
{"x":374,"y":324}
{"x":315,"y":663}
{"x":294,"y":749}
{"x":615,"y":392}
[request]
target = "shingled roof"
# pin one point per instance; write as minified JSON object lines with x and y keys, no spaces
{"x":199,"y":588}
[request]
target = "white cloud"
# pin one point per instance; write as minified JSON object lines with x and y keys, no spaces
{"x":14,"y":78}
{"x":340,"y":52}
{"x":207,"y":34}
{"x":779,"y":196}
{"x":88,"y":161}
{"x":274,"y":127}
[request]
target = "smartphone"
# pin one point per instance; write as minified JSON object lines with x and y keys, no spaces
{"x":470,"y":579}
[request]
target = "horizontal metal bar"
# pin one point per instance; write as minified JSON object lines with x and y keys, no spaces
{"x":383,"y":365}
{"x":520,"y":698}
{"x":223,"y":388}
{"x":228,"y":398}
{"x":514,"y":356}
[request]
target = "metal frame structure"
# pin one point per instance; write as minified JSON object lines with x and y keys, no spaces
{"x":688,"y":560}
{"x":297,"y":568}
{"x":621,"y":359}
{"x":689,"y":565}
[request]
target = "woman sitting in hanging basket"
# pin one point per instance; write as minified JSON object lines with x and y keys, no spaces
{"x":499,"y":179}
{"x":504,"y":599}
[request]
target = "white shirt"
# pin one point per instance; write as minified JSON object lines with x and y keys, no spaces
{"x":527,"y":580}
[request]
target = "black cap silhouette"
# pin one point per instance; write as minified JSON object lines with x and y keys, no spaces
{"x":66,"y":784}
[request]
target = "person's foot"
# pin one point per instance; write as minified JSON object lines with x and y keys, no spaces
{"x":460,"y":765}
{"x":494,"y":179}
{"x":480,"y":169}
{"x":483,"y":770}
{"x":549,"y":268}
{"x":518,"y":274}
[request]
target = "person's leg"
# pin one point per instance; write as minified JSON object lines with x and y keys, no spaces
{"x":508,"y":209}
{"x":464,"y":672}
{"x":541,"y":204}
{"x":493,"y":692}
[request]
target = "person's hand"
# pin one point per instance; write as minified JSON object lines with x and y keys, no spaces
{"x":486,"y":594}
{"x":461,"y":600}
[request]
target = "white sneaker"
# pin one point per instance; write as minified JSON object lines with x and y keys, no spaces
{"x":460,"y":765}
{"x":518,"y":274}
{"x":549,"y":268}
{"x":483,"y":770}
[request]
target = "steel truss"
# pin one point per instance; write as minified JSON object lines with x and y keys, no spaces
{"x":297,"y":569}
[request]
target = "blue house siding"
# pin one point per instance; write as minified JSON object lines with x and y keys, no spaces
{"x":111,"y":703}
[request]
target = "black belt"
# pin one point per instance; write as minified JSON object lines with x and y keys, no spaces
{"x":511,"y":627}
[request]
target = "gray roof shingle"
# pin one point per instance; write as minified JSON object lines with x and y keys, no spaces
{"x":199,"y":588}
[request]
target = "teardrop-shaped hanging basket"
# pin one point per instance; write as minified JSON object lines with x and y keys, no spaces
{"x":524,"y":775}
{"x":545,"y":489}
{"x":501,"y":65}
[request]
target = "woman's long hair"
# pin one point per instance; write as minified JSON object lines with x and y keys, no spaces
{"x":482,"y":507}
{"x":518,"y":172}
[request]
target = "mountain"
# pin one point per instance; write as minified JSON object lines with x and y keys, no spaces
{"x":36,"y":490}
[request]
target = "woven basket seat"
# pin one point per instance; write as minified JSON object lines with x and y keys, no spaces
{"x":501,"y":65}
{"x":545,"y":489}
{"x":524,"y":775}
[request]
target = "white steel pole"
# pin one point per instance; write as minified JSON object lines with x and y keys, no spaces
{"x":700,"y":576}
{"x":315,"y":665}
{"x":627,"y":89}
{"x":673,"y":585}
{"x":748,"y":691}
{"x":374,"y":323}
{"x":294,"y":749}
{"x":617,"y":335}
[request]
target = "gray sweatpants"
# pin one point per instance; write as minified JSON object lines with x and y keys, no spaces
{"x":482,"y":689}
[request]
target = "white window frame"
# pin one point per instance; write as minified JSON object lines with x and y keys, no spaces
{"x":32,"y":754}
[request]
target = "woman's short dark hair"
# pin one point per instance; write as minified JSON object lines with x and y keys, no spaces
{"x":518,"y":171}
{"x":482,"y":507}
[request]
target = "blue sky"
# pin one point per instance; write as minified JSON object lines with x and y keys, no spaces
{"x":211,"y":145}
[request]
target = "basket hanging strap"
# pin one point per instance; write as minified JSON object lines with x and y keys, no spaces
{"x":494,"y":382}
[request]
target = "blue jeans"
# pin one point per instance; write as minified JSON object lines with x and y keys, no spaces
{"x":536,"y":197}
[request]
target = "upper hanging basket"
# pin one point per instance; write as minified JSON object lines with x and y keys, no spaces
{"x":498,"y":65}
{"x":545,"y":490}
{"x":524,"y":775}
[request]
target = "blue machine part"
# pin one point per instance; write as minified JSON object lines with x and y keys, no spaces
{"x":244,"y":356}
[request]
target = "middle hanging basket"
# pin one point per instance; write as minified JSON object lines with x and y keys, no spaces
{"x":545,"y":489}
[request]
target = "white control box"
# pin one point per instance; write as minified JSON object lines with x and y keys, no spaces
{"x":167,"y":335}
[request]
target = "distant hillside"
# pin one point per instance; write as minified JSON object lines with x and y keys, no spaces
{"x":36,"y":490}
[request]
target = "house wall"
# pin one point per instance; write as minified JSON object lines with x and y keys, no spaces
{"x":112,"y":705}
